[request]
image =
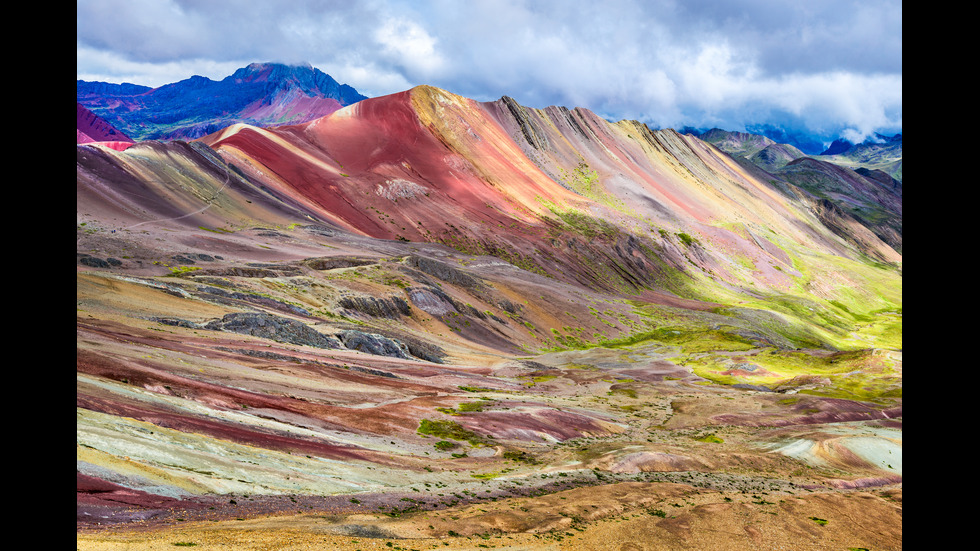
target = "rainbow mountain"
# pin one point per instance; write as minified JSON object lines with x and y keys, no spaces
{"x":422,"y":290}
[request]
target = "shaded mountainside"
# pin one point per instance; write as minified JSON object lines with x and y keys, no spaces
{"x":262,"y":94}
{"x":881,"y":152}
{"x":92,"y":128}
{"x":775,"y":156}
{"x":847,"y":179}
{"x":760,"y":150}
{"x":422,"y":301}
{"x":808,"y":144}
{"x":736,"y":143}
{"x":873,"y":198}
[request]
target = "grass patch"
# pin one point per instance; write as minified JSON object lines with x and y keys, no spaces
{"x":451,"y":430}
{"x":584,"y":180}
{"x":467,"y":407}
{"x":691,"y":342}
{"x":475,"y":389}
{"x":686,"y":239}
{"x":520,"y":456}
{"x":490,"y":475}
{"x":473,"y":246}
{"x":629,"y":392}
{"x":584,"y":224}
{"x":214,"y":230}
{"x":863,"y":375}
{"x":571,"y":342}
{"x":857,"y":317}
{"x":181,"y":270}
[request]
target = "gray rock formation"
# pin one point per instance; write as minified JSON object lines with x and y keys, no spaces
{"x":372,"y":343}
{"x":268,"y":326}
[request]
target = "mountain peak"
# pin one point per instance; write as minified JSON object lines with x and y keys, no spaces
{"x":741,"y":143}
{"x":268,"y":71}
{"x":297,"y":76}
{"x":839,"y":146}
{"x":261,"y":94}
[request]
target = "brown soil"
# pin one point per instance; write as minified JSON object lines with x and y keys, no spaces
{"x":626,"y":517}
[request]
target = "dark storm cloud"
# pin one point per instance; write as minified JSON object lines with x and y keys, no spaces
{"x":832,"y":66}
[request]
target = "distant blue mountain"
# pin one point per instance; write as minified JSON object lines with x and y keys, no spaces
{"x":262,"y":94}
{"x":841,"y":146}
{"x":807,"y":143}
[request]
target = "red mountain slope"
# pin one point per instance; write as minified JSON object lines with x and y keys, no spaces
{"x":92,"y":128}
{"x":503,"y":180}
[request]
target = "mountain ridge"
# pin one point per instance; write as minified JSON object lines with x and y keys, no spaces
{"x":313,"y":83}
{"x":587,"y":197}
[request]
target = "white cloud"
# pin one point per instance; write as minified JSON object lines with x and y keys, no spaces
{"x":107,"y":66}
{"x":408,"y":45}
{"x":833,"y":65}
{"x":367,"y":78}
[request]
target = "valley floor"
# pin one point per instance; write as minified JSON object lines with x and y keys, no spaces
{"x":629,"y":516}
{"x":218,"y":408}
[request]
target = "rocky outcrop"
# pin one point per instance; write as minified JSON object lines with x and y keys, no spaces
{"x":431,"y":300}
{"x":520,"y":114}
{"x":373,"y":343}
{"x":282,"y":329}
{"x":96,"y":262}
{"x":384,"y":307}
{"x":194,"y":258}
{"x":277,"y":328}
{"x":335,"y":262}
{"x":424,"y":350}
{"x":221,"y":296}
{"x":445,"y":272}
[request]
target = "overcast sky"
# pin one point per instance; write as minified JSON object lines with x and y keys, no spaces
{"x":831,"y":66}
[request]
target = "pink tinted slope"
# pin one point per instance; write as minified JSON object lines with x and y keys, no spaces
{"x":93,"y":129}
